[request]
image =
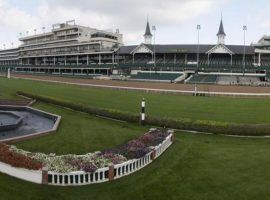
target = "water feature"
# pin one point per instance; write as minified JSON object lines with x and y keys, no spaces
{"x":21,"y":122}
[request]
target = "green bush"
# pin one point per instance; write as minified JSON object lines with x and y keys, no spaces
{"x":181,"y":123}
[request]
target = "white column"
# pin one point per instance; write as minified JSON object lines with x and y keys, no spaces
{"x":8,"y":74}
{"x":65,"y":60}
{"x":87,"y":60}
{"x":77,"y":60}
{"x":259,"y":59}
{"x":208,"y":61}
{"x":54,"y":60}
{"x":68,"y":179}
{"x":99,"y":59}
{"x":164,"y":58}
{"x":231,"y":60}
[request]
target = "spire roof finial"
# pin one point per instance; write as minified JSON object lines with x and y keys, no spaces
{"x":148,"y":31}
{"x":221,"y":28}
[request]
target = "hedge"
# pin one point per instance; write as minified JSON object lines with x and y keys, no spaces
{"x":179,"y":123}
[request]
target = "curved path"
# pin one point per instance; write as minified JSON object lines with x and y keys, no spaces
{"x":212,"y":90}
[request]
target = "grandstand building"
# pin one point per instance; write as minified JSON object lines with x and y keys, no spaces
{"x":262,"y":49}
{"x":73,"y":49}
{"x":67,"y":44}
{"x":219,"y":54}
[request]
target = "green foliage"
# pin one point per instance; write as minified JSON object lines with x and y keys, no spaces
{"x":223,"y":109}
{"x":195,"y":167}
{"x":183,"y":124}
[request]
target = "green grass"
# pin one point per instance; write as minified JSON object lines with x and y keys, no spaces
{"x":80,"y":133}
{"x":162,"y":105}
{"x":195,"y":167}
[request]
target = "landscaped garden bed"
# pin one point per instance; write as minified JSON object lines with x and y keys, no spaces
{"x":59,"y":170}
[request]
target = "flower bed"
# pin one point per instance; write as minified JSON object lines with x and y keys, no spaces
{"x":88,"y":163}
{"x":16,"y":159}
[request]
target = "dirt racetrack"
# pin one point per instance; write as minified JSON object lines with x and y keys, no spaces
{"x":213,"y":90}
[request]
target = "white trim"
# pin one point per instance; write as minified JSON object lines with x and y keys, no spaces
{"x":140,"y":46}
{"x":222,"y":46}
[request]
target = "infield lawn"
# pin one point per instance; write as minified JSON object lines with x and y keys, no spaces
{"x":195,"y":167}
{"x":162,"y":105}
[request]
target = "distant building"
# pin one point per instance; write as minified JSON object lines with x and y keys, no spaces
{"x":218,"y":55}
{"x":66,"y":44}
{"x":262,"y":48}
{"x":71,"y":48}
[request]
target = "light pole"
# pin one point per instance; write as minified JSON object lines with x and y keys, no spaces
{"x":154,"y":30}
{"x":198,"y":47}
{"x":244,"y":55}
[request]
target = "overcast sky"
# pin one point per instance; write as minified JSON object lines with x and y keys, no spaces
{"x":175,"y":20}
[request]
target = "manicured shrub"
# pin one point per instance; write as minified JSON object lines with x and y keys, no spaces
{"x":179,"y":123}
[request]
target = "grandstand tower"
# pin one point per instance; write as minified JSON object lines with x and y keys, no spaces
{"x":148,"y":35}
{"x":221,"y":33}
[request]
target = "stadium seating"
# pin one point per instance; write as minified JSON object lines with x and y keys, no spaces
{"x":203,"y":79}
{"x":156,"y":76}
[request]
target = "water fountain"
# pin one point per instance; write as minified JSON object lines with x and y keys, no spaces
{"x":18,"y":123}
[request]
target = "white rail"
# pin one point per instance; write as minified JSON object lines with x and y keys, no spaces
{"x":108,"y":173}
{"x":82,"y":178}
{"x":78,"y":178}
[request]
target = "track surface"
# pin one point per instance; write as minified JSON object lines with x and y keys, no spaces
{"x":163,"y":87}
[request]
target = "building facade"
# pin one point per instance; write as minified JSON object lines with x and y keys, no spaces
{"x":70,"y":48}
{"x":66,"y":44}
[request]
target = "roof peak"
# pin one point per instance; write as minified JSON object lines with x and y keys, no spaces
{"x":147,"y":30}
{"x":221,"y":28}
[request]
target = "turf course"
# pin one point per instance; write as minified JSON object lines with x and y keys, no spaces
{"x":80,"y":133}
{"x":195,"y":167}
{"x":203,"y":108}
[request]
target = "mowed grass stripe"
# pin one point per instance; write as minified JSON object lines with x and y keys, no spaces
{"x":162,"y":105}
{"x":195,"y":167}
{"x":81,"y":133}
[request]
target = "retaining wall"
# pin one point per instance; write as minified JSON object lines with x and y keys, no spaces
{"x":82,"y":178}
{"x":24,"y":174}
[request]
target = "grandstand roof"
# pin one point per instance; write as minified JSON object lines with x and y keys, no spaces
{"x":221,"y":29}
{"x":185,"y":48}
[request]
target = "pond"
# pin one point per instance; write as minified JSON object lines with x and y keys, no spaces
{"x":20,"y":122}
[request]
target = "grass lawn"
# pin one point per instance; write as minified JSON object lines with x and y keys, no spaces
{"x":163,"y":105}
{"x":81,"y":133}
{"x":195,"y":167}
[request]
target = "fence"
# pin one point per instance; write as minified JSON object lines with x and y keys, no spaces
{"x":82,"y":178}
{"x":78,"y":178}
{"x":109,"y":173}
